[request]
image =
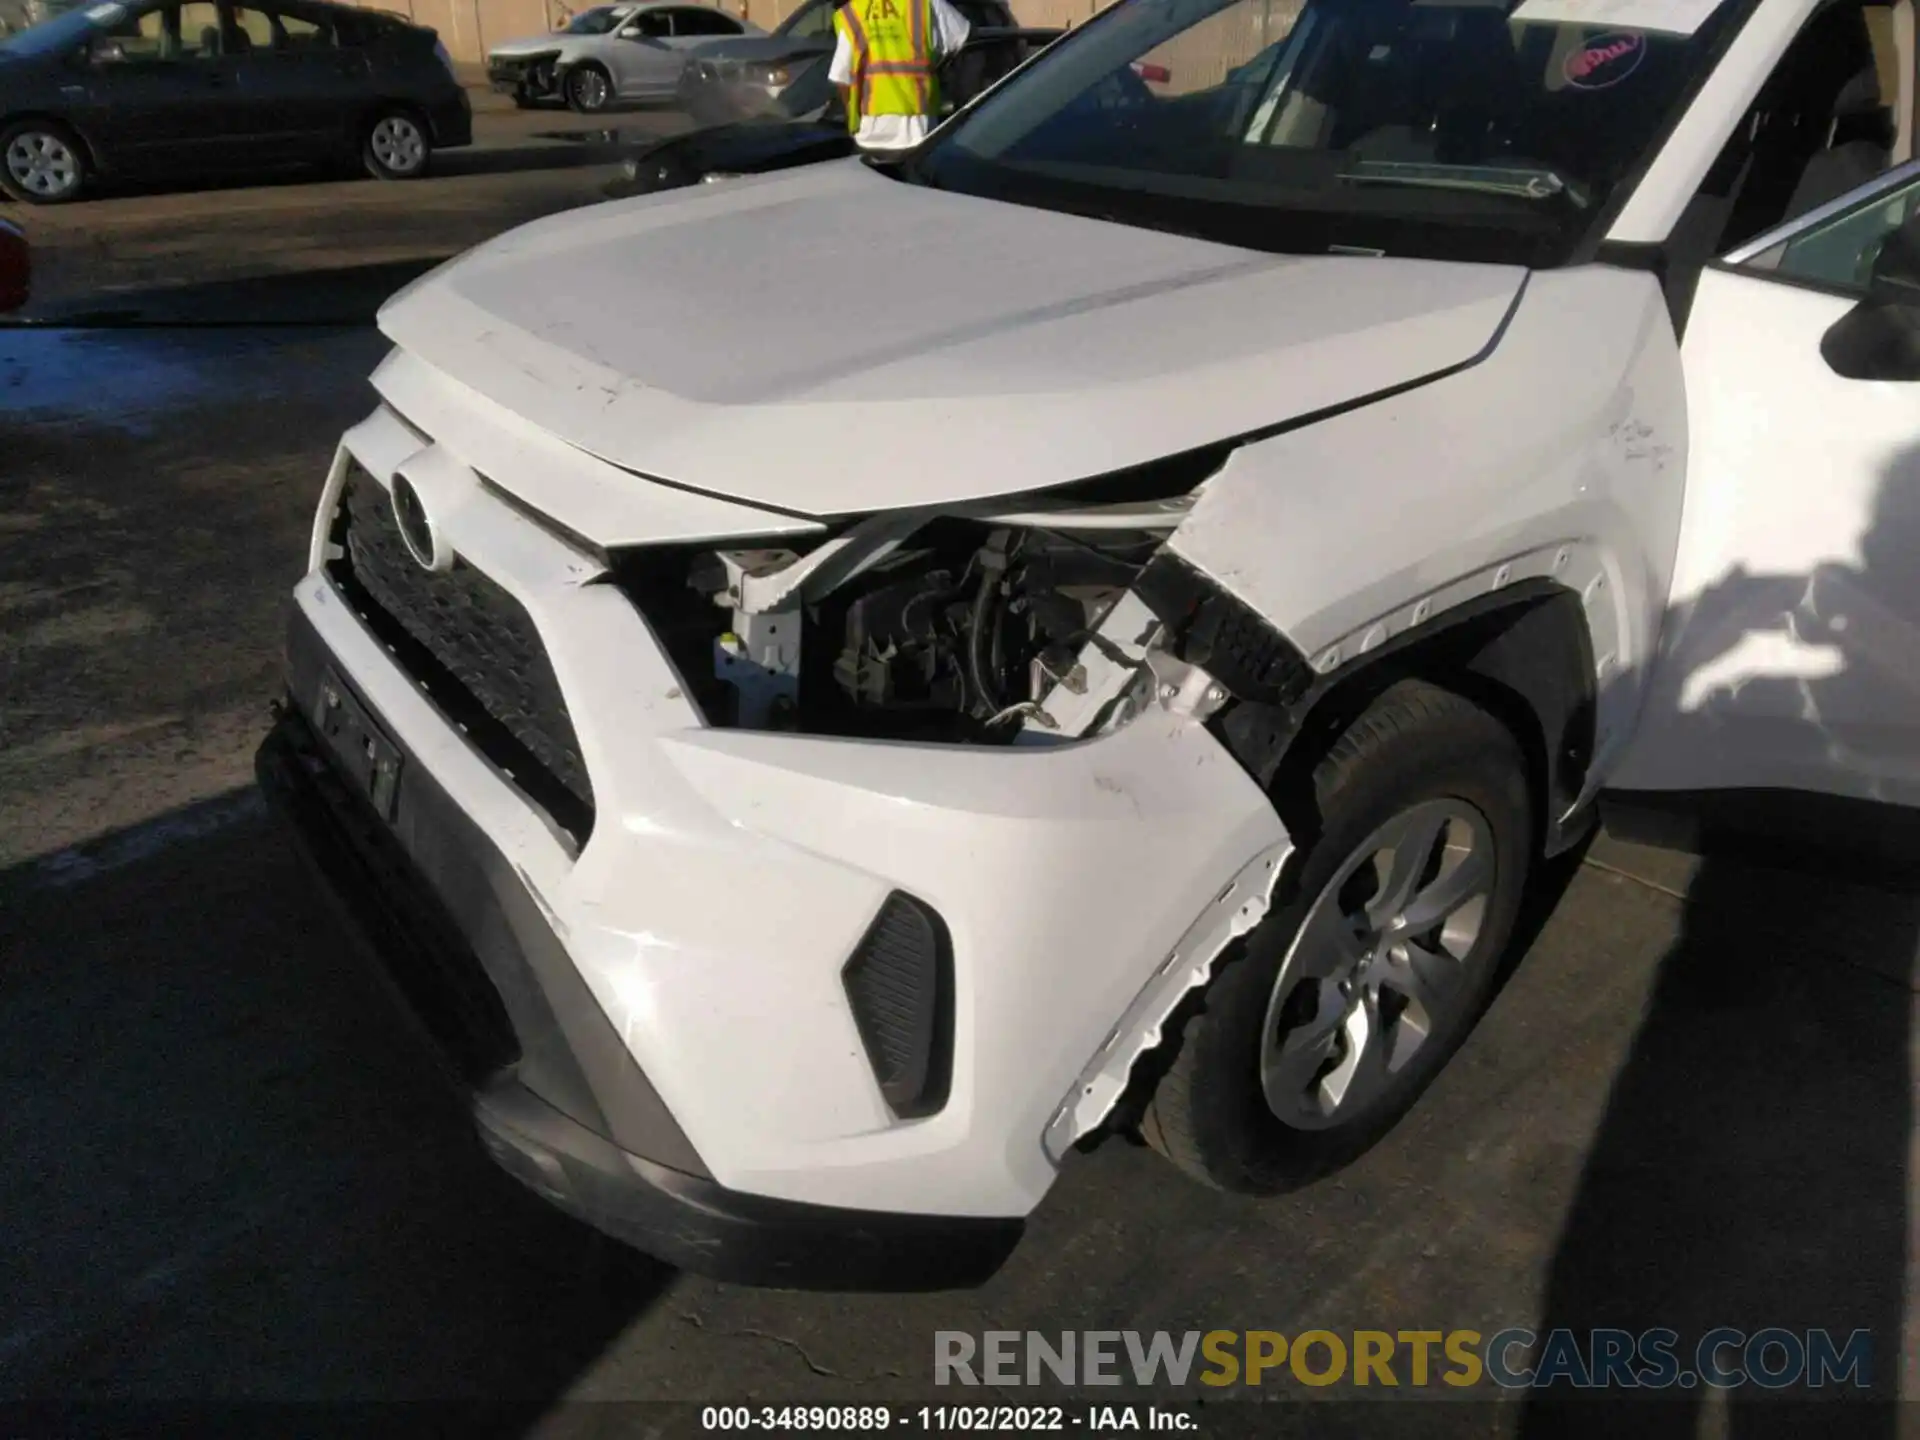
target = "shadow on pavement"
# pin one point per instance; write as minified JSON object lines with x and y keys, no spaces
{"x":347,"y":295}
{"x":231,"y":1173}
{"x":446,"y":164}
{"x":1751,"y":1168}
{"x":586,"y":148}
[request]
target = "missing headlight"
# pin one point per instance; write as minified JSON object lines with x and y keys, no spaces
{"x":952,"y":630}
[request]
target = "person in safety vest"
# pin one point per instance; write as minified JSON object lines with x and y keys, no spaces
{"x":885,"y":58}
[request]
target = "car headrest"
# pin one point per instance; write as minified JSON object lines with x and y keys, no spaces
{"x":1859,"y":96}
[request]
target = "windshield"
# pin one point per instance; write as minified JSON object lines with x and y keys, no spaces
{"x":1447,"y":129}
{"x":811,"y":91}
{"x":809,"y":22}
{"x":62,"y":32}
{"x":593,"y":22}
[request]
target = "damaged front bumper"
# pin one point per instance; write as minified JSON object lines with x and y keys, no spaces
{"x":530,"y":75}
{"x":721,"y":919}
{"x":507,"y":1014}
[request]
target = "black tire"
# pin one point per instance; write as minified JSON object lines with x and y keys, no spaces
{"x":396,"y":145}
{"x":589,"y":89}
{"x":1416,"y":752}
{"x":42,"y":163}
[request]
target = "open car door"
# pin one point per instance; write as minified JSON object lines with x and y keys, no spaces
{"x":1790,"y":657}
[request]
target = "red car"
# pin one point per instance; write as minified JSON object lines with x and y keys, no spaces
{"x":16,"y":268}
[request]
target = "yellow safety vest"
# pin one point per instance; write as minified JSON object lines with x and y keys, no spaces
{"x":892,"y":47}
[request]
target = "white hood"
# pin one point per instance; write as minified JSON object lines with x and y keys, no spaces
{"x":829,"y":341}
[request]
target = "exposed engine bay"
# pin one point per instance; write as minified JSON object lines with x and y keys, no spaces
{"x":957,"y":634}
{"x":995,"y":630}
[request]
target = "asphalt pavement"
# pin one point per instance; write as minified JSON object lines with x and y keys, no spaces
{"x":230,"y":1173}
{"x":301,"y":247}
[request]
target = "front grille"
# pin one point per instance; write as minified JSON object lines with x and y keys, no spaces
{"x":473,"y":649}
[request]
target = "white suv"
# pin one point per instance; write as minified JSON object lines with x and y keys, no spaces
{"x":830,"y":690}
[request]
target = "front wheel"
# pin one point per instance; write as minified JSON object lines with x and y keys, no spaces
{"x":537,"y":86}
{"x":589,"y":89}
{"x":1378,"y":956}
{"x":41,"y":163}
{"x":396,"y":146}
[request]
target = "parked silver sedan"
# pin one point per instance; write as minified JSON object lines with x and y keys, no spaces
{"x":767,"y":76}
{"x":611,"y":54}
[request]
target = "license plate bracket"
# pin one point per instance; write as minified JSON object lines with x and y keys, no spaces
{"x":362,"y":750}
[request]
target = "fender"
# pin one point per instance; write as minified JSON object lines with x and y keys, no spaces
{"x":1524,"y":651}
{"x":1525,"y":654}
{"x":1554,"y":468}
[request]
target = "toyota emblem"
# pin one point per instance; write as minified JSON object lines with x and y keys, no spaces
{"x":423,"y":542}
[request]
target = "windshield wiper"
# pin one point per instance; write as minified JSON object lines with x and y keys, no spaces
{"x":1524,"y":184}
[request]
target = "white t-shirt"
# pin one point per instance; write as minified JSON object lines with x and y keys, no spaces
{"x":899,"y":132}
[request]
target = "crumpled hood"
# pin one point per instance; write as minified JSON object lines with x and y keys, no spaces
{"x":830,"y":341}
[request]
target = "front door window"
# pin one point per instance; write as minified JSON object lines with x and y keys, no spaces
{"x":1837,"y":245}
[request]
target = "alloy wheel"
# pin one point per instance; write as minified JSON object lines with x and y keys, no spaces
{"x":590,"y":89}
{"x":43,"y":165}
{"x":397,"y":143}
{"x":1379,"y":966}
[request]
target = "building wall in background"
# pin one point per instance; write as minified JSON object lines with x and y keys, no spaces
{"x":468,"y":27}
{"x":769,"y":13}
{"x":1199,"y":58}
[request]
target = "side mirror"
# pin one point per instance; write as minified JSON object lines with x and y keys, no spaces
{"x":1879,"y":339}
{"x":1895,"y":277}
{"x":106,"y":52}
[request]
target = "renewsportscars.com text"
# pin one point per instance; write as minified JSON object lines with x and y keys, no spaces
{"x":1513,"y":1358}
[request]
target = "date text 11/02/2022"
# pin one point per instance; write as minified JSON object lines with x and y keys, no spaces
{"x":993,"y":1419}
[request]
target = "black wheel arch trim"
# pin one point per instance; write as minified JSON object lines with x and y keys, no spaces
{"x":387,"y":104}
{"x":1524,"y":653}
